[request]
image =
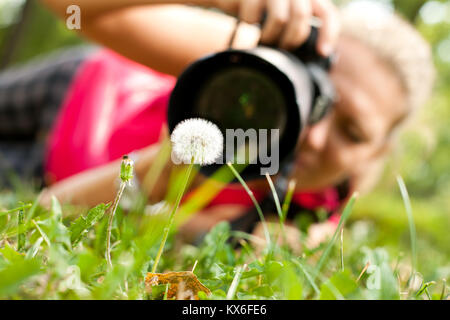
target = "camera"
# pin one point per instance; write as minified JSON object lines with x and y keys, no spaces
{"x":263,"y":88}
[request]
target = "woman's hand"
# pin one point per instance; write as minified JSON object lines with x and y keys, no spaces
{"x":288,"y":23}
{"x":318,"y":233}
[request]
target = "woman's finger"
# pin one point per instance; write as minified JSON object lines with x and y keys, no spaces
{"x":277,"y":17}
{"x":251,"y":11}
{"x":330,"y":29}
{"x":298,"y":27}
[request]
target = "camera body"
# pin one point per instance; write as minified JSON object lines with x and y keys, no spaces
{"x":263,"y":88}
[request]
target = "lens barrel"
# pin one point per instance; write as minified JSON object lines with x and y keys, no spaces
{"x":260,"y":88}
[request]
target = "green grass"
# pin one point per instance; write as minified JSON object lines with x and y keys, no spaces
{"x":52,"y":254}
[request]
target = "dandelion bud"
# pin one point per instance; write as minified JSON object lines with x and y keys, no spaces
{"x":126,"y":169}
{"x":198,"y":141}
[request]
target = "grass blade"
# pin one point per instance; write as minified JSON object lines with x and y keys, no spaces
{"x":346,"y":213}
{"x":255,"y":202}
{"x":412,"y":227}
{"x":33,"y":208}
{"x":42,"y":233}
{"x":237,"y":277}
{"x":342,"y":250}
{"x":21,"y":234}
{"x":278,"y":206}
{"x":4,"y":213}
{"x":154,"y":172}
{"x":444,"y":289}
{"x":288,"y":198}
{"x":307,"y":275}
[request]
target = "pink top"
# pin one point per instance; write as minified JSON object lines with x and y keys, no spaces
{"x":115,"y":106}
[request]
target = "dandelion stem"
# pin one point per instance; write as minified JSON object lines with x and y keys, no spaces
{"x":20,"y":233}
{"x":126,"y":174}
{"x":110,"y":222}
{"x":172,"y":216}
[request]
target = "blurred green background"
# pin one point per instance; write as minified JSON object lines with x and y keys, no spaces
{"x":421,"y":158}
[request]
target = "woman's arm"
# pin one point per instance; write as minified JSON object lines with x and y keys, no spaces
{"x":166,"y":38}
{"x":100,"y":184}
{"x":94,"y":8}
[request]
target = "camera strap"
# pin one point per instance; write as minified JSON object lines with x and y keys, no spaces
{"x":233,"y":35}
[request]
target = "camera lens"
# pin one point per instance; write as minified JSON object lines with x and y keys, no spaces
{"x":241,"y":97}
{"x":251,"y":93}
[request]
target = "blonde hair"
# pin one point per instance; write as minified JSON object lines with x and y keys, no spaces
{"x":402,"y":48}
{"x":396,"y":42}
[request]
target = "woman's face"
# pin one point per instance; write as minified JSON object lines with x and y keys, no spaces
{"x":370,"y":101}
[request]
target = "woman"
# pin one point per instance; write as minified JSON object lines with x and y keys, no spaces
{"x":383,"y":72}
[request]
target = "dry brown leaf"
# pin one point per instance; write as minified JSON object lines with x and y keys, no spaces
{"x":182,"y":285}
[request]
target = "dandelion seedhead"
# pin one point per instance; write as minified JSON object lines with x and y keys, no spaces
{"x":197,"y":140}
